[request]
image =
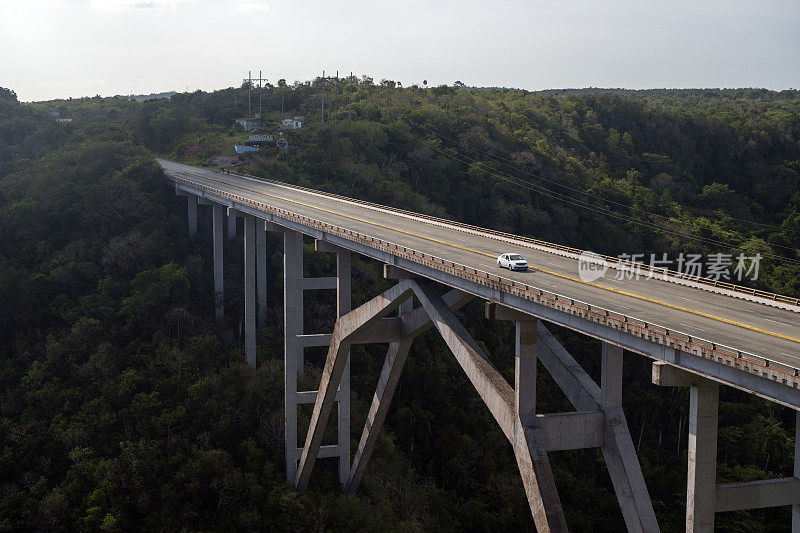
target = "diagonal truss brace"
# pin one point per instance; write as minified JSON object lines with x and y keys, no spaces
{"x":527,"y":442}
{"x":617,"y":445}
{"x":415,"y":323}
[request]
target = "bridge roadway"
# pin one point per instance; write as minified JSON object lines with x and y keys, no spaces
{"x":762,"y":330}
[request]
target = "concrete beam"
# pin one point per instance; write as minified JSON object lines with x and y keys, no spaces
{"x":271,"y":227}
{"x":757,"y":494}
{"x":392,"y":272}
{"x":316,"y":284}
{"x":386,"y":330}
{"x":310,"y":396}
{"x":496,"y":311}
{"x":314,"y":339}
{"x":206,"y":201}
{"x":250,"y":290}
{"x":325,"y":246}
{"x":667,"y":375}
{"x":329,"y":450}
{"x":572,"y":431}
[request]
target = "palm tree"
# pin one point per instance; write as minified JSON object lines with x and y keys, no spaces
{"x":773,"y":442}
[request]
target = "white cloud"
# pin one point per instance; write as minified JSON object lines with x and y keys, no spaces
{"x":252,"y":6}
{"x":117,"y":5}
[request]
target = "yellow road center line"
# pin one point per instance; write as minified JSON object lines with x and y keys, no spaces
{"x":563,"y":276}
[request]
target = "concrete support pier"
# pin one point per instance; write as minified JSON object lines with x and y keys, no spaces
{"x":231,"y":223}
{"x":218,"y":215}
{"x":526,"y":338}
{"x":701,"y":486}
{"x":261,"y":272}
{"x":293,"y":351}
{"x":343,"y":305}
{"x":796,"y":506}
{"x":191,"y":210}
{"x":701,"y":482}
{"x":250,"y":290}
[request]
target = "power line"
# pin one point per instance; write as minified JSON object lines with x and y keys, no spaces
{"x":513,"y":166}
{"x":561,"y":197}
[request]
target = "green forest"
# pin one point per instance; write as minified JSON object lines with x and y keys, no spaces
{"x":123,"y":405}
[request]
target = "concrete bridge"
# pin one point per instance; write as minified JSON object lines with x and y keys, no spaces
{"x":699,"y":333}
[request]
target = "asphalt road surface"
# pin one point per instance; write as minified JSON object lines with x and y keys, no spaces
{"x":758,"y":329}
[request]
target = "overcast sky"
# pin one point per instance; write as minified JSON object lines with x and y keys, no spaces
{"x":56,"y":49}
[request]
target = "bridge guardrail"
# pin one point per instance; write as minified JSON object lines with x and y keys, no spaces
{"x":614,"y":262}
{"x":742,"y":360}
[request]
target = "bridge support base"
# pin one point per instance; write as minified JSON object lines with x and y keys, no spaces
{"x":600,"y":421}
{"x":704,"y":497}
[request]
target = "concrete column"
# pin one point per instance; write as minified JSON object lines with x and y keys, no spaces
{"x":261,"y":272}
{"x":343,"y":306}
{"x":191,"y":211}
{"x":618,"y":450}
{"x":611,"y":376}
{"x":293,"y":352}
{"x":250,"y":290}
{"x":796,"y":507}
{"x":231,"y":225}
{"x":525,"y":369}
{"x":218,"y":213}
{"x":701,"y":487}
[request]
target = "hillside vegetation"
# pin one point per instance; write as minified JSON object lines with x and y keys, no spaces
{"x":124,"y":406}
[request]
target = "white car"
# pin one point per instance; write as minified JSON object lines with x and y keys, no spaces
{"x":512,"y":262}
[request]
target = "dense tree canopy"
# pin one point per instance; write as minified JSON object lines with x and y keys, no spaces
{"x":123,"y":405}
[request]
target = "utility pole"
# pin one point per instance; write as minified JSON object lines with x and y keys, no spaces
{"x":337,"y":95}
{"x":250,"y":81}
{"x":350,"y":95}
